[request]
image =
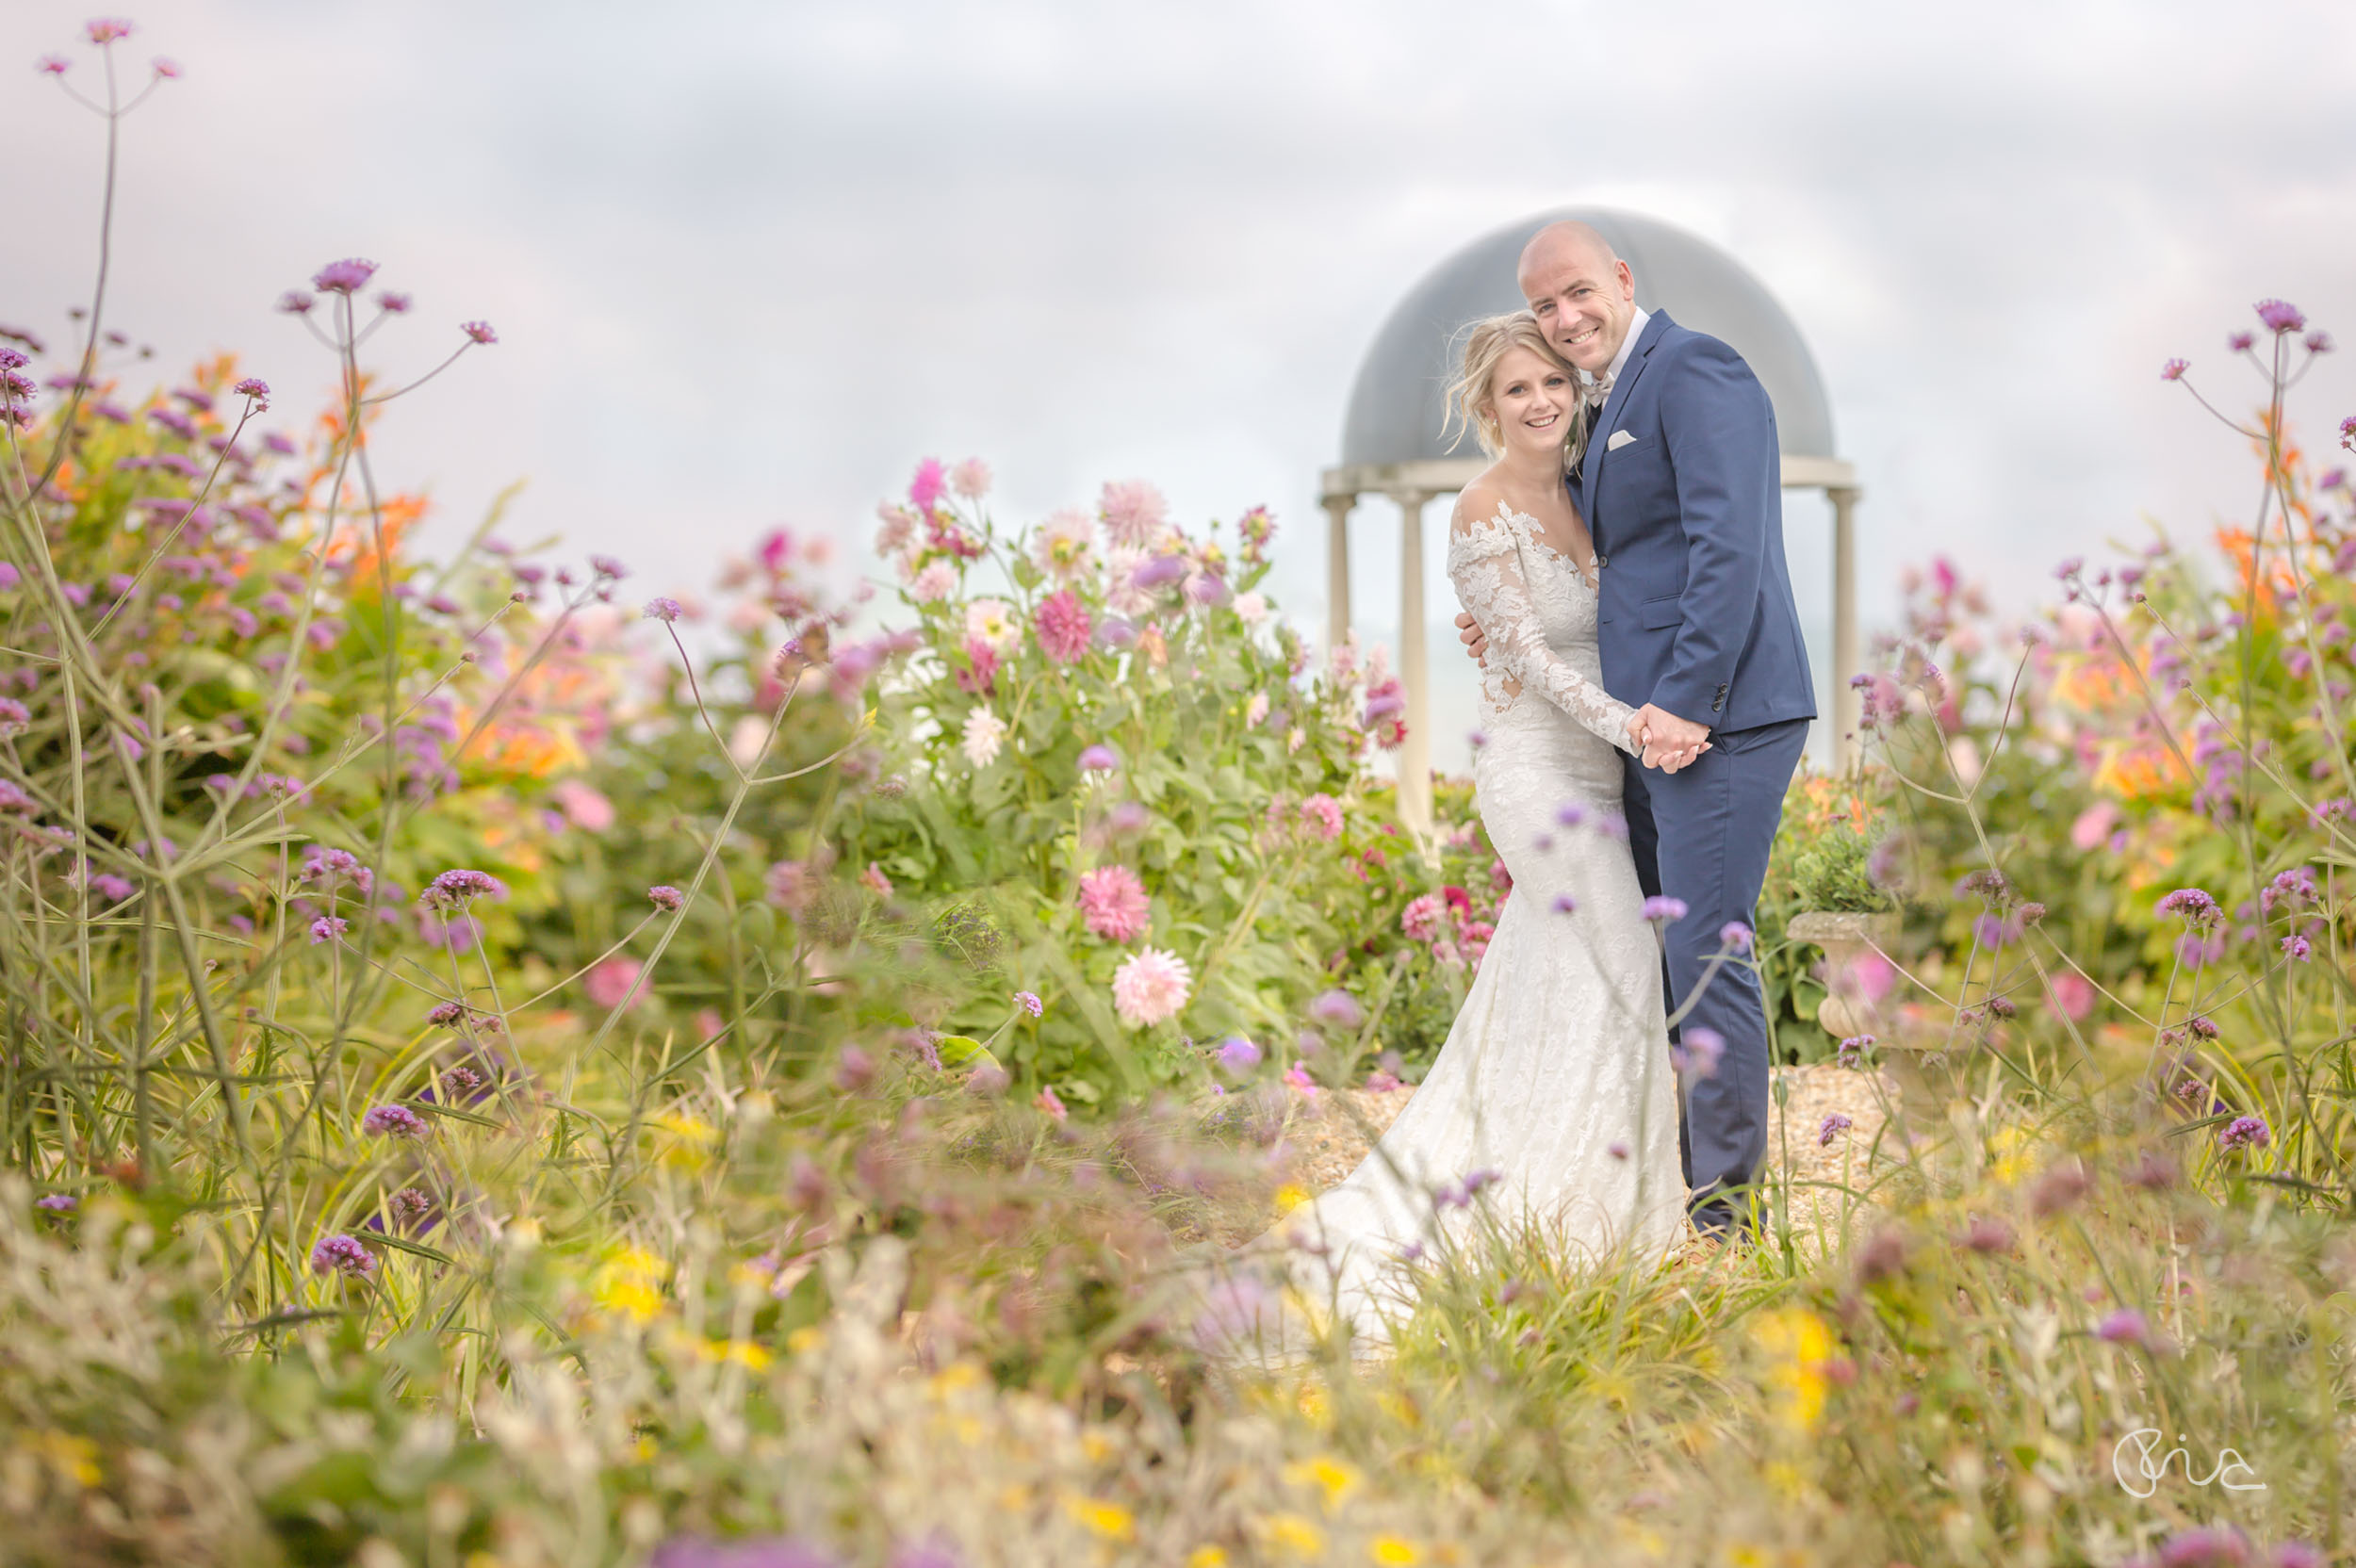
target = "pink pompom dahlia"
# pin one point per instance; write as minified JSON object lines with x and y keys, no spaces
{"x":1113,"y":902}
{"x":1063,"y":627}
{"x":1150,"y":986}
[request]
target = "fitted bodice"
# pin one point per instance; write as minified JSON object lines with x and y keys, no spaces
{"x":1539,"y":611}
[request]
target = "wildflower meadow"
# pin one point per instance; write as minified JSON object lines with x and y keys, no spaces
{"x":510,"y":1060}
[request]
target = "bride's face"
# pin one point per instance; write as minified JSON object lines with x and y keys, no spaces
{"x":1533,"y":398}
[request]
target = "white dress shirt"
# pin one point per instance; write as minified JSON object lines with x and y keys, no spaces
{"x":1619,"y":361}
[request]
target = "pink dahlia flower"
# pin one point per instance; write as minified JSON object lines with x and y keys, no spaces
{"x":1113,"y":902}
{"x":1150,"y":986}
{"x":1134,"y":513}
{"x":1062,"y":623}
{"x":971,"y":478}
{"x":1424,"y":919}
{"x":927,"y":487}
{"x":1325,"y":813}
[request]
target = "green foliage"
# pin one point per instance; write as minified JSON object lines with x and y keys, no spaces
{"x":1112,"y":704}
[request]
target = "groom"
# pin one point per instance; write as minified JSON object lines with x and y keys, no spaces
{"x":1681,"y":488}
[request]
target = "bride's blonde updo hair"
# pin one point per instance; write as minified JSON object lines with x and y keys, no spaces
{"x":1470,"y":405}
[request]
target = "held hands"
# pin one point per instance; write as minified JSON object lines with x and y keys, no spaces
{"x":1666,"y":741}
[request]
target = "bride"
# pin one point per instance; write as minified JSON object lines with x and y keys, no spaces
{"x":1554,"y":1101}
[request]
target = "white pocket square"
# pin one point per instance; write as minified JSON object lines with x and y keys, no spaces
{"x":1619,"y":439}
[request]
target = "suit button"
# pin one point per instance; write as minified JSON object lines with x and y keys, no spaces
{"x":1602,"y":560}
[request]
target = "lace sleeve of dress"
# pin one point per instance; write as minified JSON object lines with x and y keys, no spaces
{"x":1484,"y":561}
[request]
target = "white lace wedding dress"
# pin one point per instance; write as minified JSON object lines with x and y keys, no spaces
{"x":1554,"y":1095}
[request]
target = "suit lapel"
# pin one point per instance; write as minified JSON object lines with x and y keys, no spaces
{"x":1592,"y":470}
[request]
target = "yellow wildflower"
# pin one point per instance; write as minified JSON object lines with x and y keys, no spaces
{"x":1744,"y":1555}
{"x":1797,"y":1344}
{"x":1330,"y":1476}
{"x":692,"y":1138}
{"x":1391,"y":1552}
{"x":74,"y":1459}
{"x":1290,"y":1197}
{"x":1207,"y":1557}
{"x":754,"y":1358}
{"x":1109,"y":1520}
{"x":630,"y":1284}
{"x":955,"y":1377}
{"x":2012,"y":1154}
{"x":1291,"y":1532}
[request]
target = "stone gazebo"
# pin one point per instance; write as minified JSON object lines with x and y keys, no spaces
{"x":1392,"y":445}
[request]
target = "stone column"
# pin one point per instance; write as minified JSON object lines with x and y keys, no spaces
{"x":1337,"y":570}
{"x":1845,"y":657}
{"x":1414,"y":755}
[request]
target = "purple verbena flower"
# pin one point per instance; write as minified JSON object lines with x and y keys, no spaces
{"x":666,"y":898}
{"x":1237,"y":1055}
{"x":2196,"y":907}
{"x":1735,"y":937}
{"x":1698,"y":1052}
{"x":664,"y":610}
{"x":57,"y":1203}
{"x":392,"y":302}
{"x":453,"y":889}
{"x":1339,"y":1008}
{"x":2246,"y":1131}
{"x":2124,"y":1327}
{"x":255,"y":387}
{"x":479,"y":332}
{"x":295,"y":303}
{"x":106,"y":29}
{"x":1029,"y":1003}
{"x":1099,"y":759}
{"x":2174,"y":369}
{"x":342,"y":1254}
{"x":328,"y":929}
{"x":2320,"y":343}
{"x":1665,"y":909}
{"x":1564,"y":905}
{"x":342,"y":277}
{"x":2204,"y":1546}
{"x":409,"y":1205}
{"x":606,"y":566}
{"x":393,"y":1121}
{"x":445,"y":1014}
{"x":2279,"y":316}
{"x":2240,"y":341}
{"x":1834,"y":1125}
{"x":52,"y":65}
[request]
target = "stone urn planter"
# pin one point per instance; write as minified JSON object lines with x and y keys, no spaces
{"x":1846,"y":935}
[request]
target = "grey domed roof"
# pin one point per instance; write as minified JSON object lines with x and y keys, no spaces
{"x":1396,"y":408}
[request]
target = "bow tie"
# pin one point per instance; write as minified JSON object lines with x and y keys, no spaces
{"x":1599,"y":391}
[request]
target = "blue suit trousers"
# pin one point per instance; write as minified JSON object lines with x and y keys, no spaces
{"x":1702,"y":835}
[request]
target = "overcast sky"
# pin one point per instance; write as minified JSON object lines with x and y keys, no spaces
{"x":749,"y":261}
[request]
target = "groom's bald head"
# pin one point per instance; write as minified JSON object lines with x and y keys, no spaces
{"x":1583,"y":294}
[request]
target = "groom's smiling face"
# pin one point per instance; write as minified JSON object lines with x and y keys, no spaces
{"x":1583,"y":296}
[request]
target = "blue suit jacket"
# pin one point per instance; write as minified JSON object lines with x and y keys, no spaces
{"x":1687,"y":516}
